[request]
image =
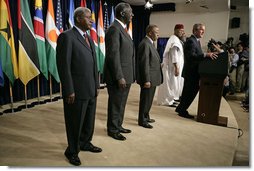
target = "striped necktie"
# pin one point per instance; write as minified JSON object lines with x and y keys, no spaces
{"x":87,"y":40}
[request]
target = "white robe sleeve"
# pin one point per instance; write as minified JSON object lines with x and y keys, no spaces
{"x":174,"y":55}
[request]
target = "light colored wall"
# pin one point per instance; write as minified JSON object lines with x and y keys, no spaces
{"x":243,"y":13}
{"x":217,"y":24}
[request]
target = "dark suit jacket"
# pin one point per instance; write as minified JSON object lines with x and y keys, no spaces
{"x":148,"y":64}
{"x":77,"y":65}
{"x":120,"y":55}
{"x":193,"y":55}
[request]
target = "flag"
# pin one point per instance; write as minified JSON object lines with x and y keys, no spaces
{"x":112,"y":17}
{"x":7,"y":52}
{"x":28,"y":55}
{"x":83,"y":3}
{"x":40,"y":37}
{"x":93,"y":32}
{"x":51,"y":37}
{"x":1,"y":75}
{"x":101,"y":41}
{"x":71,"y":10}
{"x":130,"y":29}
{"x":59,"y":18}
{"x":106,"y":21}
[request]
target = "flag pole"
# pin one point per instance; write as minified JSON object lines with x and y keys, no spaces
{"x":99,"y":77}
{"x":50,"y":87}
{"x":38,"y":88}
{"x":11,"y":96}
{"x":60,"y":90}
{"x":25,"y":97}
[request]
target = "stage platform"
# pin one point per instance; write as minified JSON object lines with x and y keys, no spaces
{"x":36,"y":137}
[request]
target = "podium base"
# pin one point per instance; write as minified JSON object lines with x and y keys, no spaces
{"x":222,"y":121}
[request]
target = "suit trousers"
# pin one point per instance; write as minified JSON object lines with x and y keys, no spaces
{"x":145,"y":104}
{"x":117,"y":99}
{"x":79,"y":122}
{"x":232,"y":84}
{"x":190,"y":90}
{"x":239,"y":78}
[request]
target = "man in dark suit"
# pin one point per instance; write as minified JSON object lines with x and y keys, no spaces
{"x":193,"y":55}
{"x":118,"y":69}
{"x":149,"y":74}
{"x":77,"y":67}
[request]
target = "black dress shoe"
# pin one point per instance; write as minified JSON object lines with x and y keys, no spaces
{"x":186,"y":115}
{"x":123,"y":130}
{"x":177,"y":100}
{"x":146,"y":125}
{"x":73,"y":159}
{"x":178,"y":110}
{"x":91,"y":148}
{"x":151,"y":120}
{"x":172,"y":105}
{"x":117,"y":136}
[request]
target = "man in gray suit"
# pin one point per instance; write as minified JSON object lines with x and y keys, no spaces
{"x":149,"y":74}
{"x":118,"y":69}
{"x":77,"y":67}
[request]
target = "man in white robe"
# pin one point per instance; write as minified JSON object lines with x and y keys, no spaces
{"x":170,"y":91}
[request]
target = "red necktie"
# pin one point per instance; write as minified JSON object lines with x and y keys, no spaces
{"x":87,"y":40}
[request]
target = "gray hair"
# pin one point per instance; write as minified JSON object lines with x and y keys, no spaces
{"x":121,"y":7}
{"x":197,"y":26}
{"x":150,"y":28}
{"x":78,"y":12}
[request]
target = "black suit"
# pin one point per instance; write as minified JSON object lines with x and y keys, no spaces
{"x":193,"y":55}
{"x":77,"y":68}
{"x":148,"y":70}
{"x":119,"y":63}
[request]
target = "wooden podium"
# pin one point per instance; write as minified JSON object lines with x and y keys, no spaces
{"x":212,"y":75}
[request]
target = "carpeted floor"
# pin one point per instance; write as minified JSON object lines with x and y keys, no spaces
{"x":36,"y":137}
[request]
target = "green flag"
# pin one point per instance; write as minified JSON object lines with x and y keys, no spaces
{"x":7,"y":52}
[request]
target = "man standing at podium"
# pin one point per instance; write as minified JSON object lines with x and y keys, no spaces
{"x":193,"y":55}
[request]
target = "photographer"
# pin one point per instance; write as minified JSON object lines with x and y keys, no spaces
{"x":233,"y":59}
{"x":243,"y":60}
{"x":214,"y":46}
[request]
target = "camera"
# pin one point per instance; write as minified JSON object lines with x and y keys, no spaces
{"x":210,"y":45}
{"x":245,"y":39}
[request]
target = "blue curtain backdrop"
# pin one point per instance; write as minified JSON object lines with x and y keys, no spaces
{"x":161,"y":44}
